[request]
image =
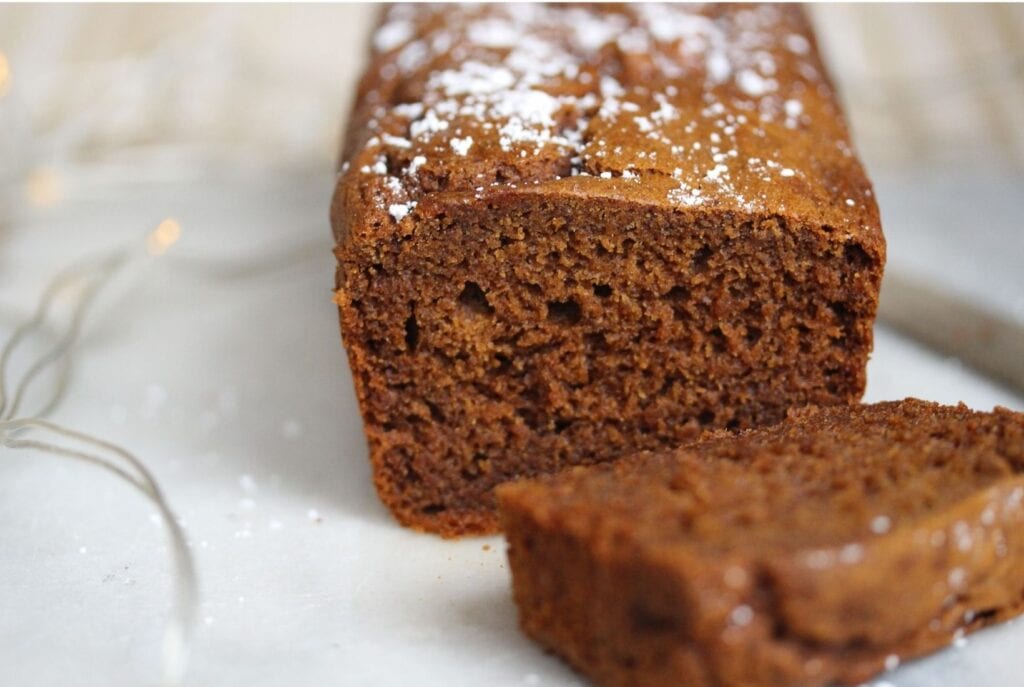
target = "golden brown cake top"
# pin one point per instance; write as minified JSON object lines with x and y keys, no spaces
{"x":717,"y":107}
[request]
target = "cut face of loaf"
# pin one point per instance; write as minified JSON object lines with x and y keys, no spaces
{"x":820,"y":550}
{"x":554,"y":249}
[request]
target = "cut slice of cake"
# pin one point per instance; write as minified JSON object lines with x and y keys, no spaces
{"x":820,"y":550}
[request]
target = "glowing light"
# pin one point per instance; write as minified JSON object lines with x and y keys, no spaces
{"x":5,"y":75}
{"x":43,"y":187}
{"x":163,"y":237}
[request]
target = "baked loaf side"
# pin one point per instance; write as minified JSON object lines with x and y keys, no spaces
{"x":566,"y":232}
{"x":823,"y":549}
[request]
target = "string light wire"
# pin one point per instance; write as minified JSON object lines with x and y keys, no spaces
{"x":82,"y":282}
{"x":104,"y":454}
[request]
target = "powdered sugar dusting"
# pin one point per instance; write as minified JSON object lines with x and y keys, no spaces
{"x":881,"y":524}
{"x":399,"y":210}
{"x":415,"y":165}
{"x":391,"y":35}
{"x":798,"y":44}
{"x":537,"y":82}
{"x":462,"y":145}
{"x":396,"y":141}
{"x":752,"y":83}
{"x":472,"y":78}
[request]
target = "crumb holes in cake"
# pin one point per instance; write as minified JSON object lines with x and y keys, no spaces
{"x":564,"y":312}
{"x":677,"y":294}
{"x":478,"y":466}
{"x":844,"y":316}
{"x":504,"y":363}
{"x":561,"y":425}
{"x":668,"y":383}
{"x":706,"y":417}
{"x":412,"y":333}
{"x":803,"y":333}
{"x":474,"y":300}
{"x":596,"y":342}
{"x":833,"y":380}
{"x":433,"y":509}
{"x":400,"y":460}
{"x":856,"y":256}
{"x":506,"y":173}
{"x":719,"y":344}
{"x":753,"y":335}
{"x":529,"y":417}
{"x":435,"y":412}
{"x":739,"y":292}
{"x":699,"y":263}
{"x":433,"y":180}
{"x":602,"y":290}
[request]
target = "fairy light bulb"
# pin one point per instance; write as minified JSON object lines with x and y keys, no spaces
{"x":43,"y":187}
{"x":5,"y":75}
{"x":163,"y":237}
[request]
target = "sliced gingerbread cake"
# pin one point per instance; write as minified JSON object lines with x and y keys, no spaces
{"x":820,"y":550}
{"x":567,"y":232}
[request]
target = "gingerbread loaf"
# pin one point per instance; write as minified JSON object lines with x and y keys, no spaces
{"x":821,"y":550}
{"x":568,"y":232}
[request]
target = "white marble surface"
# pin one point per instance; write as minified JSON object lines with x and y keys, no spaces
{"x":237,"y":394}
